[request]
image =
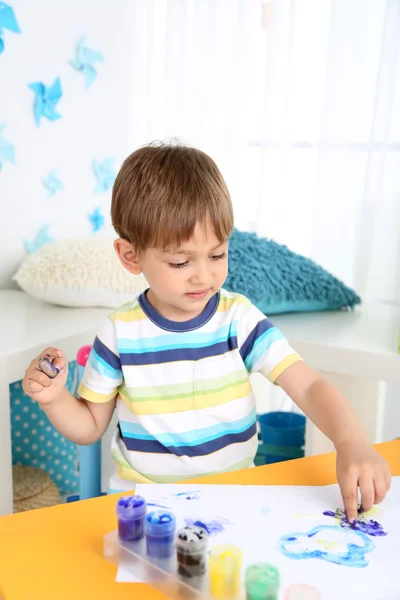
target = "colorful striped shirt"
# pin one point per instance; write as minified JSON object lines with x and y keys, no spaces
{"x":184,"y":399}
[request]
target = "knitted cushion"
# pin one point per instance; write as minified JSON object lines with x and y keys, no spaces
{"x":277,"y":280}
{"x":78,"y":273}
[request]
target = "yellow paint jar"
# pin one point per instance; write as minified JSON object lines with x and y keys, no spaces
{"x":225,"y":568}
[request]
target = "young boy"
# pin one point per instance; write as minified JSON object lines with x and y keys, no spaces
{"x":175,"y":362}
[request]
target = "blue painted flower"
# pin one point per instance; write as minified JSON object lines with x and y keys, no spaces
{"x":333,"y":544}
{"x":7,"y":153}
{"x":8,"y":21}
{"x":362,"y":523}
{"x":96,"y":219}
{"x":46,"y":100}
{"x":83,"y":62}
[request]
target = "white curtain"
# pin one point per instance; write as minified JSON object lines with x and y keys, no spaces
{"x":298,"y":101}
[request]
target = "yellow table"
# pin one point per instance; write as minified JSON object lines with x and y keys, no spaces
{"x":56,"y":553}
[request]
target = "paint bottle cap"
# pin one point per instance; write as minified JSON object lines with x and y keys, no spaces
{"x":191,"y":540}
{"x":302,"y":592}
{"x":160,"y":523}
{"x":262,"y":582}
{"x":131,"y":507}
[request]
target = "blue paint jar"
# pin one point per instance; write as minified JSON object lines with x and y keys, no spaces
{"x":160,"y":532}
{"x":131,"y":513}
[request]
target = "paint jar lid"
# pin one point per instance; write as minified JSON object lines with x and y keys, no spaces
{"x":191,"y":540}
{"x":131,"y":507}
{"x":262,"y":581}
{"x":302,"y":592}
{"x":160,"y":522}
{"x":225,"y":559}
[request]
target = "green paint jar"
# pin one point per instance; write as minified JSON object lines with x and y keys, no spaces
{"x":262,"y":582}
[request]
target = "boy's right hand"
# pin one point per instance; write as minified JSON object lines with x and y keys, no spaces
{"x":38,"y":385}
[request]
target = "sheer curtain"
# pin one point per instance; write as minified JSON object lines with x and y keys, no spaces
{"x":299,"y":103}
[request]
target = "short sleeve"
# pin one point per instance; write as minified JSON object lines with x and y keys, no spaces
{"x":103,"y":373}
{"x":262,"y":346}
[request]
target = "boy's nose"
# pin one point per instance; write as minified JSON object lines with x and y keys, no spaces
{"x":201,"y":276}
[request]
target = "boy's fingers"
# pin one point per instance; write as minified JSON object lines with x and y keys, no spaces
{"x":380,"y":488}
{"x":388,"y":477}
{"x":349,"y":495}
{"x":367,"y":490}
{"x":60,"y":363}
{"x":33,"y":387}
{"x":35,"y":374}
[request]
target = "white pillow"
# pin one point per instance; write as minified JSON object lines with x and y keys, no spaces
{"x":78,"y":273}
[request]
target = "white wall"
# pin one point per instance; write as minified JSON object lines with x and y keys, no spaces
{"x":95,"y":122}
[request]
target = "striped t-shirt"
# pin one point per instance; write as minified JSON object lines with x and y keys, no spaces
{"x":184,"y":399}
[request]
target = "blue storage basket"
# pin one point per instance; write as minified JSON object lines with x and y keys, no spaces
{"x":282,"y":435}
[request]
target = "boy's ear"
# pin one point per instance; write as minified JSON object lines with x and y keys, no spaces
{"x":127,"y":256}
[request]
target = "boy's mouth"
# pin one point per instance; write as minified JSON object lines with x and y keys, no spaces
{"x":199,"y":294}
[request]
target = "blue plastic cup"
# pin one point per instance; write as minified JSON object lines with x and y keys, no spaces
{"x":283,"y":428}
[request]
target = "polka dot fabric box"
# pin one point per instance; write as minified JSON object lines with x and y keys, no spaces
{"x":36,"y":443}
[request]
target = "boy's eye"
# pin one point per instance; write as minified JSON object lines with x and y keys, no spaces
{"x":178,"y":265}
{"x":219,"y":256}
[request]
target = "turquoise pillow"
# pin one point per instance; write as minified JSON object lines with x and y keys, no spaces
{"x":277,"y":280}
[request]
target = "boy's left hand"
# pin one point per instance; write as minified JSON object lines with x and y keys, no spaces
{"x":358,"y":465}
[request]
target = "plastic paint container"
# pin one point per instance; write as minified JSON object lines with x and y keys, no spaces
{"x":191,"y":551}
{"x":225,"y":567}
{"x":160,"y":532}
{"x":262,"y":582}
{"x":131,"y":513}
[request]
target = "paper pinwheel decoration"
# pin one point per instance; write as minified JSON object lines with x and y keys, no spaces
{"x":8,"y":21}
{"x":83,"y":62}
{"x":46,"y":100}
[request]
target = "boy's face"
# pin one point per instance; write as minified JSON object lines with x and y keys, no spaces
{"x":182,"y":280}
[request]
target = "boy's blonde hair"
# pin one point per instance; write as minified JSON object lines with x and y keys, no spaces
{"x":163,"y":191}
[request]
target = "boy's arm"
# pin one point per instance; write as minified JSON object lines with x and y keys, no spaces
{"x":358,"y":465}
{"x":322,"y":403}
{"x":265,"y":350}
{"x":76,"y":419}
{"x":80,"y":421}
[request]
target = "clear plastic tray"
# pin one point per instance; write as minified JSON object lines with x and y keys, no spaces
{"x":161,"y":575}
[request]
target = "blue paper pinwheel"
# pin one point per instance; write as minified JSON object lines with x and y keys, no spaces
{"x":96,"y":219}
{"x":105,"y":175}
{"x":8,"y":21}
{"x":52,"y":183}
{"x":46,"y":100}
{"x":42,"y":238}
{"x":85,"y":57}
{"x":6,"y":150}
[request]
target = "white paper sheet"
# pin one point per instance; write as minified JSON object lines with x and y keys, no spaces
{"x":256,"y":518}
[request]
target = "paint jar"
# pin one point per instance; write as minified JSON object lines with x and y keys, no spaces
{"x":160,"y":531}
{"x":262,"y":582}
{"x":131,"y":513}
{"x":191,"y":550}
{"x":225,"y":568}
{"x":302,"y":592}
